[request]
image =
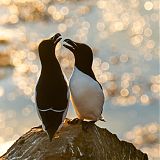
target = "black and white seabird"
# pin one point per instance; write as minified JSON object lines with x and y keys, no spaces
{"x":52,"y":93}
{"x":86,"y":92}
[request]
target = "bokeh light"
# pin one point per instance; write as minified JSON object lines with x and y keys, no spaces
{"x":146,"y":138}
{"x":123,"y":36}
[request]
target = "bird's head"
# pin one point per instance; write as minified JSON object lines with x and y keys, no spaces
{"x":82,"y":53}
{"x":47,"y":47}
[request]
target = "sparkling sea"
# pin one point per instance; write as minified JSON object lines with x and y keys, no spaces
{"x":124,"y":36}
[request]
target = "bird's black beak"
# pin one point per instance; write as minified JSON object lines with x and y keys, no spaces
{"x":56,"y":38}
{"x":71,"y":45}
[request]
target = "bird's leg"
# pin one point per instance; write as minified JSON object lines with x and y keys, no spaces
{"x":67,"y":120}
{"x":74,"y":121}
{"x":87,"y":125}
{"x":38,"y":127}
{"x":92,"y":122}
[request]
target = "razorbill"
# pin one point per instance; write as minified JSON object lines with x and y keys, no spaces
{"x":52,"y":93}
{"x":86,"y":92}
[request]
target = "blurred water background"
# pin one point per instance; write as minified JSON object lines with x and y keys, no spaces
{"x":124,"y":35}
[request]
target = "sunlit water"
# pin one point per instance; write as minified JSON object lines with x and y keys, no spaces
{"x":124,"y":38}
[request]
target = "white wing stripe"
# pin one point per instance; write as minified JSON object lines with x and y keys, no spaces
{"x":50,"y":109}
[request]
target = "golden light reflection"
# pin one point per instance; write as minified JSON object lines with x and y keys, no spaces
{"x":62,"y":27}
{"x":154,"y":17}
{"x":155,"y":88}
{"x":13,"y":9}
{"x":31,"y":56}
{"x":155,"y":84}
{"x":111,"y":90}
{"x":146,"y":138}
{"x":148,"y":32}
{"x":125,"y":19}
{"x":134,"y":3}
{"x":26,"y":111}
{"x":13,"y":19}
{"x":100,"y":26}
{"x":136,"y":89}
{"x":137,"y":40}
{"x":124,"y":58}
{"x":64,"y":10}
{"x":52,"y":9}
{"x":114,"y":60}
{"x":102,"y":4}
{"x":145,"y":99}
{"x":124,"y":92}
{"x":34,"y":68}
{"x":105,"y":66}
{"x":69,"y":22}
{"x":156,"y":5}
{"x":83,"y":10}
{"x":150,"y":44}
{"x":5,"y":2}
{"x":125,"y":82}
{"x":148,"y":5}
{"x":124,"y":101}
{"x":118,"y":26}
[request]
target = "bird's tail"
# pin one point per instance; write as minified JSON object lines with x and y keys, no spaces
{"x":50,"y":133}
{"x":102,"y":119}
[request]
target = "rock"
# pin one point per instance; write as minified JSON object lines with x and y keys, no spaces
{"x":73,"y":143}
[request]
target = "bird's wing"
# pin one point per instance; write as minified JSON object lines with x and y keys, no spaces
{"x":66,"y":110}
{"x":68,"y":97}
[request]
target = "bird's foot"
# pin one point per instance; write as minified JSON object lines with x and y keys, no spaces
{"x":86,"y":125}
{"x":67,"y":120}
{"x":102,"y":119}
{"x":38,"y":127}
{"x":74,"y":121}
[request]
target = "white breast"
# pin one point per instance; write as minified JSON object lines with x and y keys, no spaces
{"x":86,"y":95}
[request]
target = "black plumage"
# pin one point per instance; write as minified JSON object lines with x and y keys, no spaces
{"x":51,"y":89}
{"x":86,"y":92}
{"x":83,"y":57}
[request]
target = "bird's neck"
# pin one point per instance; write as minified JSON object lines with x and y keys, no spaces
{"x":87,"y":69}
{"x":83,"y":64}
{"x":50,"y":65}
{"x":89,"y":72}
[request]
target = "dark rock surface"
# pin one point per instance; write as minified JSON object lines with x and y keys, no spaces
{"x":72,"y":143}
